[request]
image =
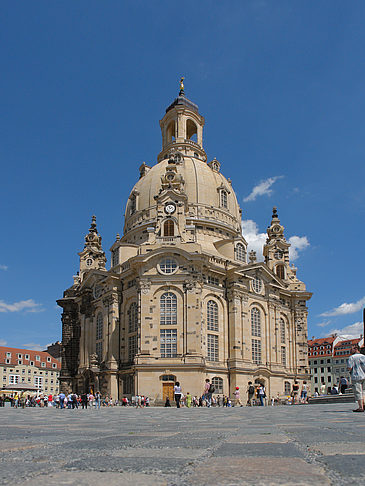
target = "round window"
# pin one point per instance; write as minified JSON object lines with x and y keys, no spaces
{"x":257,"y":284}
{"x":168,"y":266}
{"x":89,"y":262}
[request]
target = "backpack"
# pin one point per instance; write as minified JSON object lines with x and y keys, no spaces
{"x":251,"y":390}
{"x":211,"y":388}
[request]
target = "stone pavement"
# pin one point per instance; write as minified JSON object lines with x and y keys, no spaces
{"x":301,"y":445}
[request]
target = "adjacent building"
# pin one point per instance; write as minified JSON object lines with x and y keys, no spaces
{"x":36,"y":369}
{"x":182,"y":300}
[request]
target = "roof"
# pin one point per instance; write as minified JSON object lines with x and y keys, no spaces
{"x":321,"y":341}
{"x":44,"y":357}
{"x":182,"y":100}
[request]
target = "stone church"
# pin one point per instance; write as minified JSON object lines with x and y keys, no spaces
{"x":182,"y":300}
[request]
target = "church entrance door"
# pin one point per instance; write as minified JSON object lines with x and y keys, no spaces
{"x":168,"y":391}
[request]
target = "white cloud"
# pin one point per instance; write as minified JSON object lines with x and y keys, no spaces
{"x":23,"y":305}
{"x":34,"y":346}
{"x":262,"y":189}
{"x":351,"y":331}
{"x":298,"y":243}
{"x":3,"y":342}
{"x":324,"y":323}
{"x":256,"y":240}
{"x":346,"y":308}
{"x":3,"y":267}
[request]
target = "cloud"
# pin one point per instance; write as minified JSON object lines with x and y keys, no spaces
{"x":3,"y":267}
{"x":256,"y":240}
{"x":346,"y":308}
{"x":34,"y":346}
{"x":3,"y":342}
{"x":351,"y":331}
{"x":298,"y":243}
{"x":262,"y":189}
{"x":324,"y":323}
{"x":23,"y":305}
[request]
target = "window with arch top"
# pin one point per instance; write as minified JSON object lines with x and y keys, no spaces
{"x":169,"y":228}
{"x":133,"y":317}
{"x":168,"y":309}
{"x":212,"y":316}
{"x":240,"y":252}
{"x":282,"y":330}
{"x":255,"y":322}
{"x":217,"y":382}
{"x":280,"y":271}
{"x":99,"y":336}
{"x":223,"y":199}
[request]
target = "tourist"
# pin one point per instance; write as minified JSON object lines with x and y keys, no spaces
{"x":304,"y":393}
{"x":237,"y":400}
{"x":323,"y":389}
{"x":356,"y":367}
{"x":207,"y":393}
{"x":167,"y":402}
{"x":250,"y":393}
{"x":188,"y":400}
{"x":97,"y":400}
{"x":62,"y":398}
{"x":343,"y":385}
{"x":294,"y":393}
{"x":261,"y":394}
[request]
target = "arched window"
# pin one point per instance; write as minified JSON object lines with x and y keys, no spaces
{"x":287,"y":388}
{"x":133,"y":204}
{"x":168,"y":309}
{"x":169,"y":228}
{"x":212,"y":315}
{"x":240,"y":252}
{"x":280,"y":271}
{"x":99,"y":336}
{"x":171,"y":131}
{"x":217,"y":382}
{"x":282,"y":330}
{"x":255,"y":322}
{"x":224,"y":199}
{"x":191,"y":130}
{"x":133,"y":317}
{"x":283,"y":355}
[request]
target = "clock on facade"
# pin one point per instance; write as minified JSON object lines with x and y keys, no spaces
{"x":278,"y":254}
{"x":170,"y":208}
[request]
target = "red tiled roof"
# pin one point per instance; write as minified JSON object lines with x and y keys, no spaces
{"x":345,"y":345}
{"x":32,"y":357}
{"x":321,"y":341}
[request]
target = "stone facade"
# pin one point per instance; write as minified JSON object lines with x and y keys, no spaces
{"x":181,"y":301}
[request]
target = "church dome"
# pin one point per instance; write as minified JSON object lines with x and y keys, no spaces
{"x":209,"y":194}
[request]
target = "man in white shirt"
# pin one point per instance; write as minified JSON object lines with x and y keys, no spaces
{"x":356,"y":367}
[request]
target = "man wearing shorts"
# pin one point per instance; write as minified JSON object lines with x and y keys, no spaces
{"x":356,"y":367}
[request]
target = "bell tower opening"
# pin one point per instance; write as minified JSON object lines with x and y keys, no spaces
{"x":171,"y":132}
{"x":191,"y":130}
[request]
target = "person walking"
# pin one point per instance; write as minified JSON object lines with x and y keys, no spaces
{"x":237,"y":400}
{"x":250,"y":393}
{"x":304,"y":393}
{"x":261,"y":394}
{"x":208,"y":391}
{"x":188,"y":400}
{"x":356,"y":367}
{"x":177,"y":394}
{"x":343,"y":385}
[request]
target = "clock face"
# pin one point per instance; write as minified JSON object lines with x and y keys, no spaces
{"x":278,"y":254}
{"x":89,"y":262}
{"x":170,"y":208}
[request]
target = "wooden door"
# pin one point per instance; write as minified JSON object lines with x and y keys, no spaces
{"x":168,"y":391}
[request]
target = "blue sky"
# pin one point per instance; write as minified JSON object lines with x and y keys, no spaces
{"x":83,"y":87}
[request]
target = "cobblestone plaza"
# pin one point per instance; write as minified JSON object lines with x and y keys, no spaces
{"x":314,"y":444}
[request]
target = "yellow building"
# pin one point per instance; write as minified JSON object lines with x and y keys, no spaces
{"x":21,"y":368}
{"x":181,"y":300}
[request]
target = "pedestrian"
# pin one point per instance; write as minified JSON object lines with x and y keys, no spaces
{"x":304,"y":392}
{"x":343,"y":385}
{"x":188,"y":400}
{"x":294,"y":393}
{"x":250,"y":393}
{"x":261,"y":394}
{"x":356,"y":367}
{"x":167,"y":402}
{"x":97,"y":400}
{"x":323,"y":389}
{"x":62,"y":398}
{"x":208,"y":390}
{"x":237,"y":400}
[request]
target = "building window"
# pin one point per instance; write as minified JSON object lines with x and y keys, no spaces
{"x":38,"y":382}
{"x":132,"y":347}
{"x":19,"y":356}
{"x":133,"y":204}
{"x":255,"y":322}
{"x":280,"y":271}
{"x":287,"y":388}
{"x":168,"y":266}
{"x":168,"y":378}
{"x":240,"y":252}
{"x":8,"y":355}
{"x":212,"y":280}
{"x":133,"y":317}
{"x":212,"y":315}
{"x":257,"y":285}
{"x":217,"y":382}
{"x":37,"y":358}
{"x":54,"y":365}
{"x":256,"y":351}
{"x":169,"y":228}
{"x":282,"y":331}
{"x":213,"y":354}
{"x":99,"y":336}
{"x":168,"y":343}
{"x":31,"y":363}
{"x":26,"y":356}
{"x":224,"y":199}
{"x":168,"y":309}
{"x":128,"y":384}
{"x":13,"y":379}
{"x":283,"y":355}
{"x":48,"y":359}
{"x":115,"y":257}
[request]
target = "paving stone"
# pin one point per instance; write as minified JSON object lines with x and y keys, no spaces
{"x":251,"y":450}
{"x":66,"y":478}
{"x":258,"y":438}
{"x":340,"y":448}
{"x":348,"y":466}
